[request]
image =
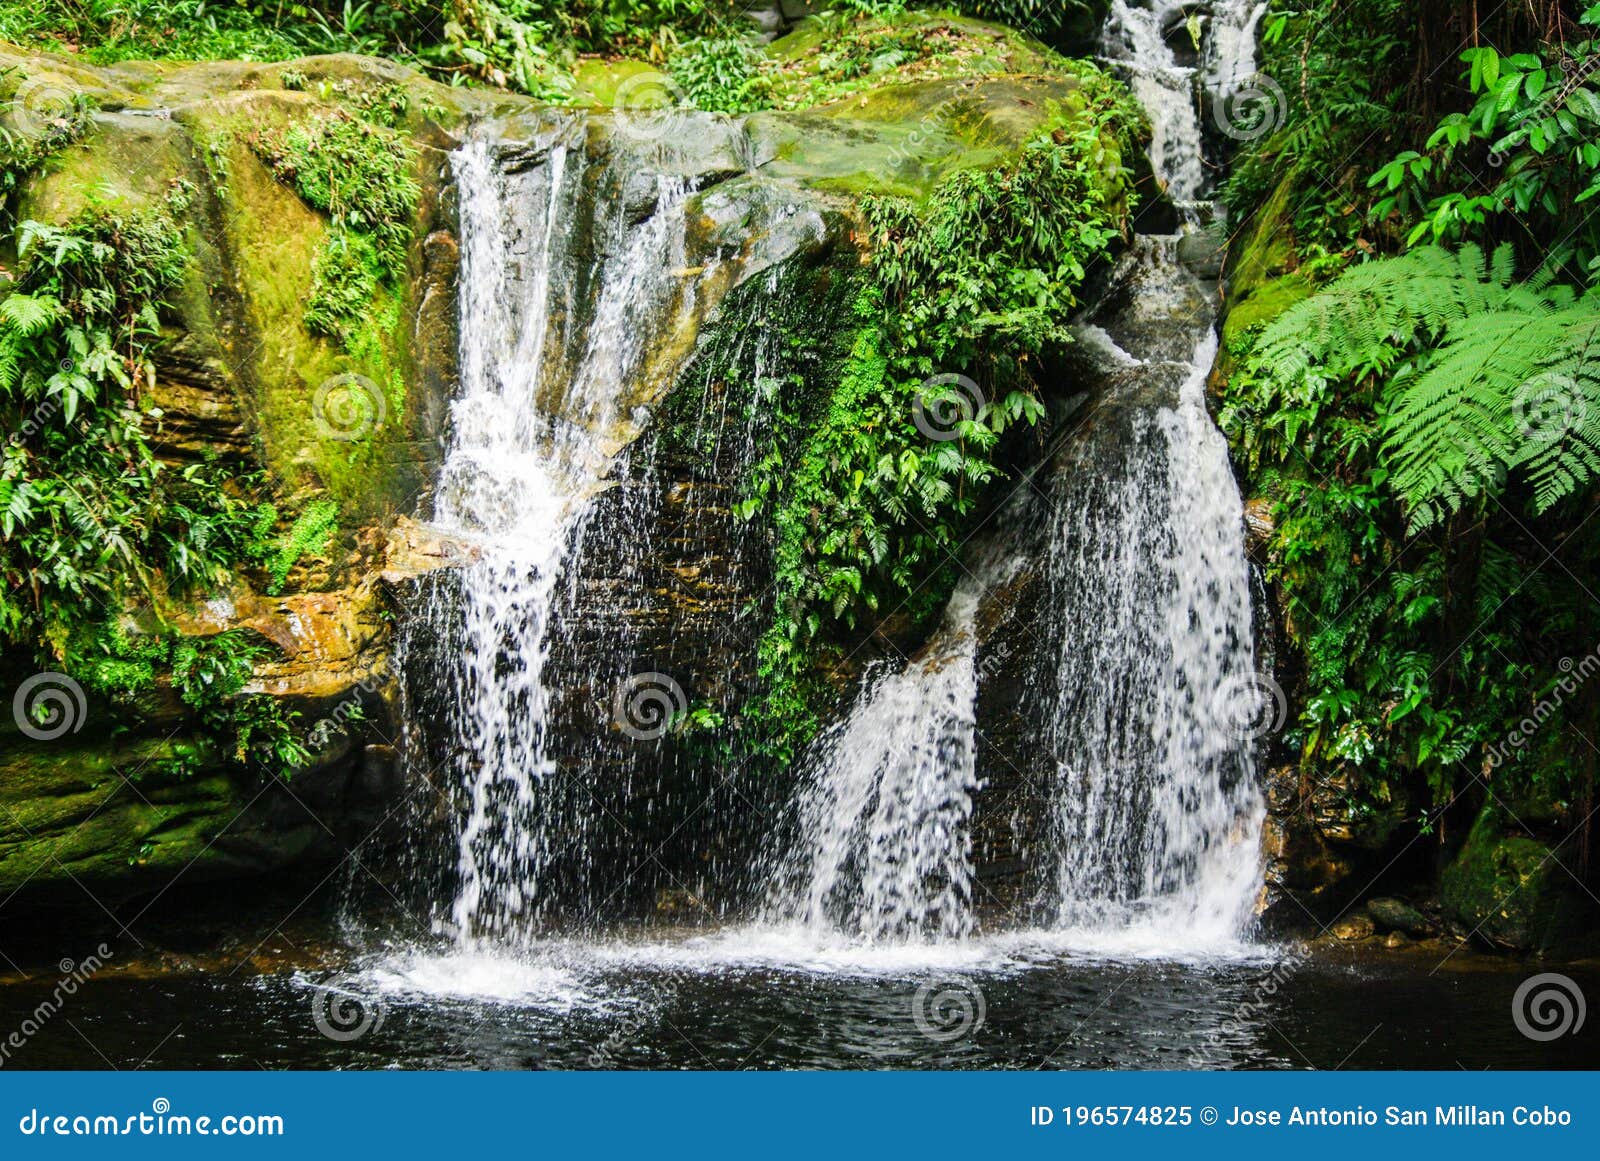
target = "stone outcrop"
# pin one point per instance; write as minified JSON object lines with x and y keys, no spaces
{"x":132,"y":809}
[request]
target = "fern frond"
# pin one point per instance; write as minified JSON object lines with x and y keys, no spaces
{"x":1503,"y":376}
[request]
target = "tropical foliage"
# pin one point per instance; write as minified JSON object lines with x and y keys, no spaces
{"x":95,"y":529}
{"x":963,"y":295}
{"x":1426,"y":423}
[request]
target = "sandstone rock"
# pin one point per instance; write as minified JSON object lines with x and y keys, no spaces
{"x":1258,"y":524}
{"x":414,"y":548}
{"x":1353,"y":928}
{"x":238,"y":373}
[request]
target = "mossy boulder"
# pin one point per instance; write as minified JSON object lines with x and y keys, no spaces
{"x":1263,"y":279}
{"x":89,"y":820}
{"x":1518,"y":892}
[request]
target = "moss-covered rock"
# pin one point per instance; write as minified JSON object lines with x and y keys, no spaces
{"x":1263,"y":279}
{"x":1517,"y":892}
{"x":239,"y":373}
{"x":87,"y":821}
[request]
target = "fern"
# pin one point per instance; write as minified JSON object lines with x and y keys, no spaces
{"x":311,"y":533}
{"x":1487,"y":377}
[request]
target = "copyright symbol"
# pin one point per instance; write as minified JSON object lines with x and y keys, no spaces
{"x":1208,"y":1116}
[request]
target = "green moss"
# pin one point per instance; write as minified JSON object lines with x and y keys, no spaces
{"x":344,"y":279}
{"x":1513,"y":891}
{"x":1266,"y":302}
{"x":360,"y":175}
{"x":325,"y":347}
{"x":70,"y":812}
{"x":849,"y":56}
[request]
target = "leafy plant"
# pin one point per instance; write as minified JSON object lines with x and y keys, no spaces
{"x":720,"y":74}
{"x":1525,"y":153}
{"x":361,"y":175}
{"x":312,"y":532}
{"x":1341,"y":72}
{"x":83,"y":503}
{"x":1423,"y":425}
{"x":1487,"y":376}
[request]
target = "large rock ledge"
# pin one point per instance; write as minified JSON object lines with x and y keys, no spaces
{"x":120,"y":808}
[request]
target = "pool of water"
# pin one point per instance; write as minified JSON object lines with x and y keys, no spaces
{"x":771,"y":999}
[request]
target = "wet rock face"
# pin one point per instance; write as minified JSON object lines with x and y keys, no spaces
{"x":1398,"y":916}
{"x":88,"y":820}
{"x":681,"y":593}
{"x":134,"y":805}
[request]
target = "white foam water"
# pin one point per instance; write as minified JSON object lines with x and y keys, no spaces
{"x":529,"y":451}
{"x":1157,"y":813}
{"x":1155,"y":799}
{"x":884,"y":850}
{"x":1135,"y":36}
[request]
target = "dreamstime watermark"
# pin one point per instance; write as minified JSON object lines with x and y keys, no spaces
{"x":1574,"y":674}
{"x":44,"y":415}
{"x":646,"y":705}
{"x":604,"y":1055}
{"x":1245,"y":1017}
{"x":72,"y":976}
{"x":348,"y":407}
{"x":41,"y":108}
{"x":160,"y":1121}
{"x":935,"y":122}
{"x":344,"y":1015}
{"x":48,"y":706}
{"x":346,"y":712}
{"x":994,"y":660}
{"x":1249,"y":706}
{"x":650,"y":104}
{"x":1549,"y":406}
{"x":1548,"y":1006}
{"x":944,"y":403}
{"x":1255,"y":109}
{"x":948,"y":1008}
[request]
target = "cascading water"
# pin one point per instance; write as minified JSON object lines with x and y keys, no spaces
{"x":1156,"y":812}
{"x":1230,"y":56}
{"x":1157,"y":815}
{"x":532,"y":437}
{"x":1148,"y":664}
{"x":883,"y":849}
{"x":1137,"y":36}
{"x":1146,"y":678}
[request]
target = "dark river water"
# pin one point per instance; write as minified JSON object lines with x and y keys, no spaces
{"x":761,"y":1000}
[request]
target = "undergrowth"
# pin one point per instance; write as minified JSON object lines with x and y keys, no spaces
{"x":92,"y":523}
{"x":361,"y":175}
{"x":1426,"y":425}
{"x":905,"y":380}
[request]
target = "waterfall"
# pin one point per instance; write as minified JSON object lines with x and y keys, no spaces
{"x":1145,"y":686}
{"x":1157,"y":815}
{"x":1137,"y":37}
{"x":883,"y":848}
{"x":568,"y":289}
{"x":1230,"y":57}
{"x":545,"y":379}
